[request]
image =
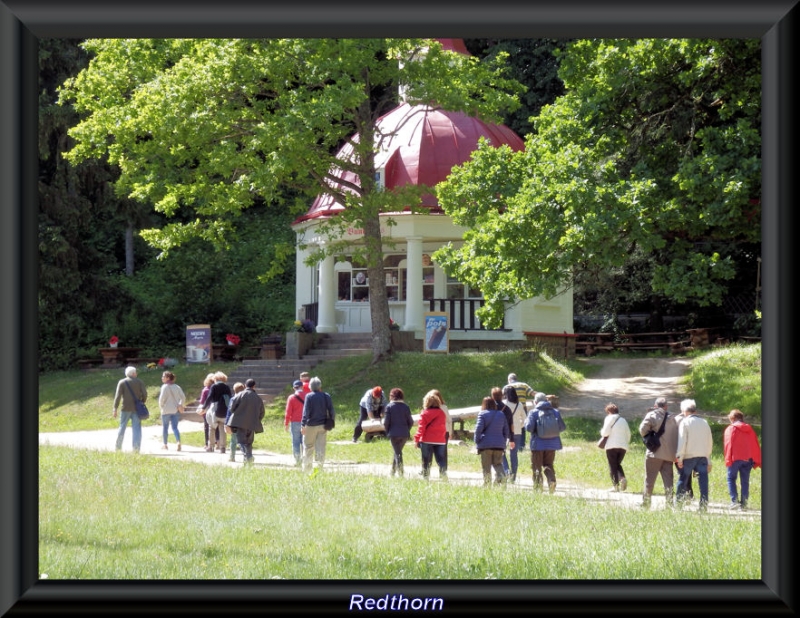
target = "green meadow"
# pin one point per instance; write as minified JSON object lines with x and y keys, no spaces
{"x":106,"y":515}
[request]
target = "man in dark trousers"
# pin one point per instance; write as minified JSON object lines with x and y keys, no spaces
{"x":247,"y":412}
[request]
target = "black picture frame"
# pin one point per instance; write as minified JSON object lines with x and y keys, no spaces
{"x":23,"y":21}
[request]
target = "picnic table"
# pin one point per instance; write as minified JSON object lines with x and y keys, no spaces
{"x":665,"y":340}
{"x":220,"y":352}
{"x":674,"y":341}
{"x":589,"y":343}
{"x":116,"y":357}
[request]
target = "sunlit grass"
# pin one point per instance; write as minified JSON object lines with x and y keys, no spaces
{"x":728,"y":378}
{"x":193,"y":521}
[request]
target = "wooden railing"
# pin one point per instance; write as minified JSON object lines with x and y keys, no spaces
{"x":311,"y":312}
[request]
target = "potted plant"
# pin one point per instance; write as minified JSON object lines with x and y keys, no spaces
{"x":232,"y":339}
{"x":113,"y":342}
{"x":300,"y":338}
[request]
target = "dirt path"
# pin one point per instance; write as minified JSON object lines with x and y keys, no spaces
{"x":632,"y":384}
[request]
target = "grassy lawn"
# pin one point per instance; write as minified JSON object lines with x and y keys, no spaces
{"x":195,"y":521}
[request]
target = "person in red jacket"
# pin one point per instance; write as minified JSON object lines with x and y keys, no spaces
{"x":742,"y":454}
{"x":292,"y":418}
{"x":430,"y":437}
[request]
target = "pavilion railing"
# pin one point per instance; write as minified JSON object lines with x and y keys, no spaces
{"x":461,"y":312}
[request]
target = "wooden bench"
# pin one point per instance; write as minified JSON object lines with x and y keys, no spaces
{"x":89,"y":363}
{"x":373,"y":428}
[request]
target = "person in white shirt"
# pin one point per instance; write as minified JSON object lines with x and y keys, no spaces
{"x":616,"y":429}
{"x":694,"y":452}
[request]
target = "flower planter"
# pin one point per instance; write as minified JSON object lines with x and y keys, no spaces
{"x":298,"y":344}
{"x":405,"y":341}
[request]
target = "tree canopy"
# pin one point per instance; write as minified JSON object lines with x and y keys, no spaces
{"x":654,"y":150}
{"x":203,"y":128}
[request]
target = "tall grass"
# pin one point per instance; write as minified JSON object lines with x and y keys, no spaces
{"x":728,"y":378}
{"x":179,"y":520}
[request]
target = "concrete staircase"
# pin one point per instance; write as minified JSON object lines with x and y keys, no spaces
{"x":273,"y":376}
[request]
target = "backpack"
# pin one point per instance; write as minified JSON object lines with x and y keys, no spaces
{"x":547,"y":424}
{"x":510,"y":393}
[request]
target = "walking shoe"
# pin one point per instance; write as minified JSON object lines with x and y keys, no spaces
{"x":623,"y":484}
{"x":743,"y":504}
{"x":164,"y":447}
{"x":208,"y":449}
{"x":179,"y":446}
{"x":735,"y":506}
{"x":222,"y":450}
{"x":552,"y":487}
{"x":614,"y":488}
{"x":703,"y":506}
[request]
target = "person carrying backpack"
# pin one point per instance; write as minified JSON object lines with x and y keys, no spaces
{"x":518,"y":392}
{"x":545,"y":424}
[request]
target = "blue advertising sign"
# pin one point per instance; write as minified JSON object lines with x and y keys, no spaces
{"x":198,"y":343}
{"x":436,"y":332}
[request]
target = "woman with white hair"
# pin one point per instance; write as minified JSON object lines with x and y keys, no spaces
{"x":129,"y":389}
{"x":317,"y":408}
{"x":215,"y":409}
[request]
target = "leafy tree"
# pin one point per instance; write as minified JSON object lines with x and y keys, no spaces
{"x":200,"y":285}
{"x":532,"y":62}
{"x":653,"y":149}
{"x":77,"y":223}
{"x":202,"y":128}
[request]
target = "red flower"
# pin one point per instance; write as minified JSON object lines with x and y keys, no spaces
{"x":234,"y":339}
{"x":113,"y":340}
{"x":160,"y":362}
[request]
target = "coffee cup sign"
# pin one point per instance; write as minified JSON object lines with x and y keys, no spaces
{"x":198,"y":343}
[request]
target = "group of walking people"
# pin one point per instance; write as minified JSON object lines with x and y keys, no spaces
{"x":684,"y":445}
{"x":504,"y":421}
{"x":675,"y":443}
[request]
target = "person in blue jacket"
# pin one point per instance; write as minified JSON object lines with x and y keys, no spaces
{"x":545,"y":425}
{"x":397,"y":421}
{"x":491,"y":434}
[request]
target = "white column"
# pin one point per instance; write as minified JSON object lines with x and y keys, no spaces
{"x":327,"y":297}
{"x":414,"y":309}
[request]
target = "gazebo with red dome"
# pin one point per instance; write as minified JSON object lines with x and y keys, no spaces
{"x":420,"y":146}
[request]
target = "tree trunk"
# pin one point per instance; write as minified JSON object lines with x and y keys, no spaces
{"x":129,"y":250}
{"x":378,"y":303}
{"x":656,"y":316}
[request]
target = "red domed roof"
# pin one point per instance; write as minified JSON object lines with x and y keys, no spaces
{"x":422,"y":147}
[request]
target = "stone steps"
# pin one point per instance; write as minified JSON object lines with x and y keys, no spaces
{"x":274,"y":376}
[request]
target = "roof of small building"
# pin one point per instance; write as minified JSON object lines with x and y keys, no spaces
{"x":421,"y":146}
